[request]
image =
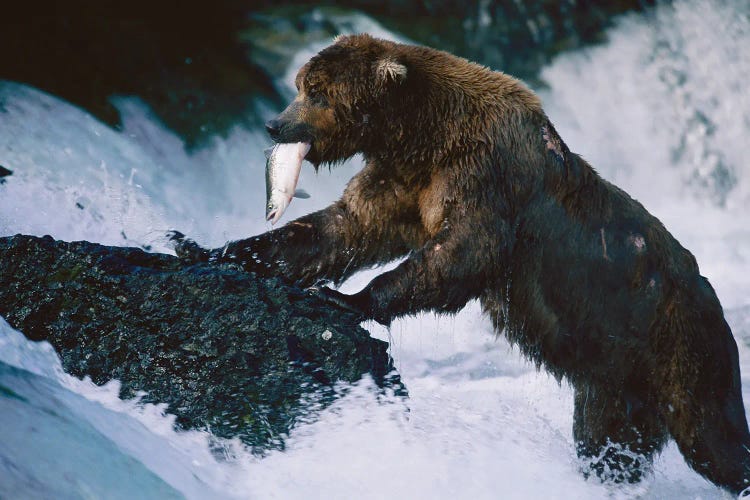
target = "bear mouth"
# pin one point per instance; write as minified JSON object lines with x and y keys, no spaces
{"x":312,"y":155}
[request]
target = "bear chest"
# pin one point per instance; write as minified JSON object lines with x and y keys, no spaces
{"x":432,"y":205}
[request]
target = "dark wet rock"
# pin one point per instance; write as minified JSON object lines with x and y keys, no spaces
{"x":243,"y":356}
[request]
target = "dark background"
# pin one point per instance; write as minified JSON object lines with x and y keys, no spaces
{"x":200,"y":65}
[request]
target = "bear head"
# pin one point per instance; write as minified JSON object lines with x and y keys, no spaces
{"x":340,"y":91}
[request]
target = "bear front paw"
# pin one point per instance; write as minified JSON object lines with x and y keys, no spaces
{"x":341,"y":300}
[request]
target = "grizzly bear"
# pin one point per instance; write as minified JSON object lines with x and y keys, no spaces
{"x":467,"y":178}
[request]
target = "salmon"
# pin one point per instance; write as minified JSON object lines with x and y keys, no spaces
{"x":282,"y":172}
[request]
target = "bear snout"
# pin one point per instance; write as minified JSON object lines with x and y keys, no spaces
{"x":273,"y":127}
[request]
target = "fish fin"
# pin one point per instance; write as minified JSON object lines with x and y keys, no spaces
{"x":301,"y":194}
{"x":268,"y":151}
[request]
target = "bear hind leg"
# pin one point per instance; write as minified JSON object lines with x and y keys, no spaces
{"x":701,"y":397}
{"x":712,"y":435}
{"x":616,"y":436}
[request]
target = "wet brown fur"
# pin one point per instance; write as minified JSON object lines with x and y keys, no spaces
{"x":467,"y":177}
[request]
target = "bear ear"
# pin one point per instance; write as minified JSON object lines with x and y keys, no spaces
{"x":388,"y":70}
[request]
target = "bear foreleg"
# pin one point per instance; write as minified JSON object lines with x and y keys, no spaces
{"x":324,"y":246}
{"x":442,"y":276}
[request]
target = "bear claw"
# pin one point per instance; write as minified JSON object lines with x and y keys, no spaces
{"x":336,"y":298}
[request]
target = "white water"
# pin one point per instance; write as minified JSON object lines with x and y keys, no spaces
{"x":482,"y":422}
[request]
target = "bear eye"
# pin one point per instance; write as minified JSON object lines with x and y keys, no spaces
{"x":318,"y":97}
